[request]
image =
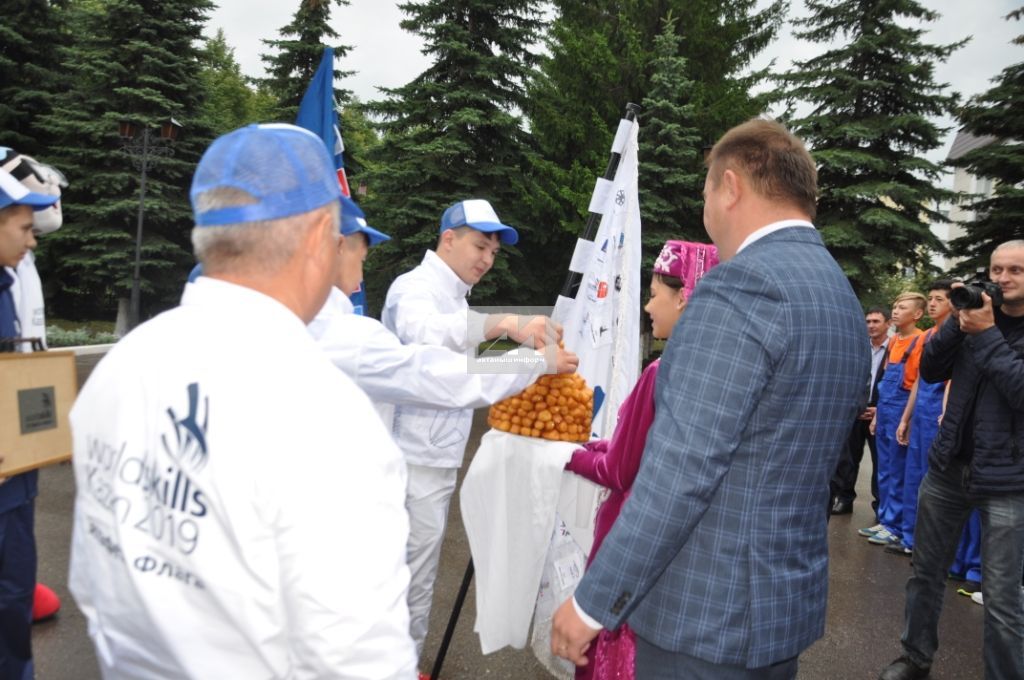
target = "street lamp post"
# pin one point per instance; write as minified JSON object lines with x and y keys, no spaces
{"x":139,"y":144}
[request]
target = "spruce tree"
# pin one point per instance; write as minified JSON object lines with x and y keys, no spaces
{"x":671,"y":170}
{"x":601,"y":56}
{"x":31,"y":33}
{"x":999,"y":113}
{"x":873,"y":99}
{"x":298,"y":56}
{"x":454,"y":133}
{"x":131,"y":60}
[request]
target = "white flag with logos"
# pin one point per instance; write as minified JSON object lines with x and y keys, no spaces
{"x":602,"y":325}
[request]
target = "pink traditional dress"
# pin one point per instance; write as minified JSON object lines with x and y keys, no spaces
{"x":613,"y":464}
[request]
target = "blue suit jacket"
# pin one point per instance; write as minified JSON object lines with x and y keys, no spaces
{"x":721,"y":550}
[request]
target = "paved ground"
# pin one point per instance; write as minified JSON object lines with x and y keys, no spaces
{"x":864,"y":619}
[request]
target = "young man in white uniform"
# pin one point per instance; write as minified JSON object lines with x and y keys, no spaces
{"x":415,"y":375}
{"x":229,"y":522}
{"x":427,"y":306}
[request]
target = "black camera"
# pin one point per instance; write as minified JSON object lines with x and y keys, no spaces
{"x":968,"y":296}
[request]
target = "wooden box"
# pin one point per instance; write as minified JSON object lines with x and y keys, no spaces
{"x":36,"y":393}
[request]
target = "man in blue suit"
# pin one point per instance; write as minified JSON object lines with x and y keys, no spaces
{"x":719,"y":559}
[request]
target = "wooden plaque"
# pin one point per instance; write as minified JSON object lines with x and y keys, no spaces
{"x":36,"y":393}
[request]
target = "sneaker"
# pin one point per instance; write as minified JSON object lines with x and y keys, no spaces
{"x":884,"y":537}
{"x":870,"y":531}
{"x":898,"y":548}
{"x":977,"y":598}
{"x":45,"y":604}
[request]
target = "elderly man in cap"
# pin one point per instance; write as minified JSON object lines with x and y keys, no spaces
{"x":221,"y":460}
{"x":414,"y":375}
{"x":427,"y":306}
{"x":17,"y":494}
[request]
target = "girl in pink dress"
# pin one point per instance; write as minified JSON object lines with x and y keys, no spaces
{"x":613,"y":463}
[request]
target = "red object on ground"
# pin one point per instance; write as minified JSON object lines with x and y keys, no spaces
{"x":45,"y":604}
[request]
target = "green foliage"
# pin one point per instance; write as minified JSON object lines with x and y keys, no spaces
{"x":229,"y":102}
{"x":873,"y":98}
{"x":30,"y":34}
{"x":454,"y":133}
{"x":291,"y":69}
{"x":57,"y":336}
{"x":999,"y":113}
{"x":360,"y":139}
{"x":603,"y":54}
{"x":671,"y":165}
{"x":137,"y":60}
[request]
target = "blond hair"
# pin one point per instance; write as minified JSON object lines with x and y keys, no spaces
{"x":921,"y":300}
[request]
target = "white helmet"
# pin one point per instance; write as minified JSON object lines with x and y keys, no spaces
{"x":40,"y":178}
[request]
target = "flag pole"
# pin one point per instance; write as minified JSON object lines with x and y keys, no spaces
{"x":572,"y":279}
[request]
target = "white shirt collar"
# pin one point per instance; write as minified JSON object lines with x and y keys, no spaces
{"x":773,"y":227}
{"x":433,"y":261}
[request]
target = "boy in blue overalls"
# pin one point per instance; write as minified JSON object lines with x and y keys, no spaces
{"x":920,"y":422}
{"x":893,"y":394}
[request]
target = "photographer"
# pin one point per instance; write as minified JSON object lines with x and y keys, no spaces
{"x":976,"y":461}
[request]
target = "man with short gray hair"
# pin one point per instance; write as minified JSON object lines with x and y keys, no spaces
{"x":222,"y":462}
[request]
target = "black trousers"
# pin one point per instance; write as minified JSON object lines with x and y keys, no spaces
{"x":844,"y":481}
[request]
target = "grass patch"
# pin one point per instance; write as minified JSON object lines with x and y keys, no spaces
{"x":64,"y":333}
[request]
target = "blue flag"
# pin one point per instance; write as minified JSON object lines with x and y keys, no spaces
{"x":319,"y":115}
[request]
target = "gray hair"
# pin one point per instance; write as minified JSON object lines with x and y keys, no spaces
{"x":262,"y":247}
{"x":1016,"y":243}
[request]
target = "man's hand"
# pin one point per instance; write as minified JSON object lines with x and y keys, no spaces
{"x":570,"y":636}
{"x":564,"y":361}
{"x":869,"y":414}
{"x":903,"y":433}
{"x":974,"y":321}
{"x":537,"y":331}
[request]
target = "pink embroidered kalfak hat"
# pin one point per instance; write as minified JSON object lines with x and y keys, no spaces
{"x":687,"y":261}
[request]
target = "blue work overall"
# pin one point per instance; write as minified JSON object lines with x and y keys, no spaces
{"x":924,"y":425}
{"x":892,"y":457}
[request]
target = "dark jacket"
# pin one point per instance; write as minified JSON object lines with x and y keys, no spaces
{"x":987,"y":371}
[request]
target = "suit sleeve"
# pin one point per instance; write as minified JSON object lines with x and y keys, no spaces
{"x":715,"y":366}
{"x":615,"y":465}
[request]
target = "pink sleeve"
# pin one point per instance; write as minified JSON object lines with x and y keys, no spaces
{"x":614,"y":463}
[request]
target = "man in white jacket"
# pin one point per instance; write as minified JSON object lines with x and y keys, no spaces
{"x":427,"y":306}
{"x":229,"y":522}
{"x":391,"y":373}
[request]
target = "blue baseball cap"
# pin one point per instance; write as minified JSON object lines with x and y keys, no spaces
{"x":13,"y":192}
{"x":353,"y":221}
{"x":478,"y":214}
{"x":284,"y":167}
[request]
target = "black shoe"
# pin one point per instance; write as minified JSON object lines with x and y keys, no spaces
{"x":841,"y":507}
{"x":899,"y":549}
{"x":904,"y":669}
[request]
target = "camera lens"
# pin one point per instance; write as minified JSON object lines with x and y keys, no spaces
{"x":965,"y":297}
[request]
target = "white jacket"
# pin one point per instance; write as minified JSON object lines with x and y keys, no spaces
{"x":27,"y":291}
{"x":415,"y":375}
{"x":427,"y":306}
{"x":240,"y":509}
